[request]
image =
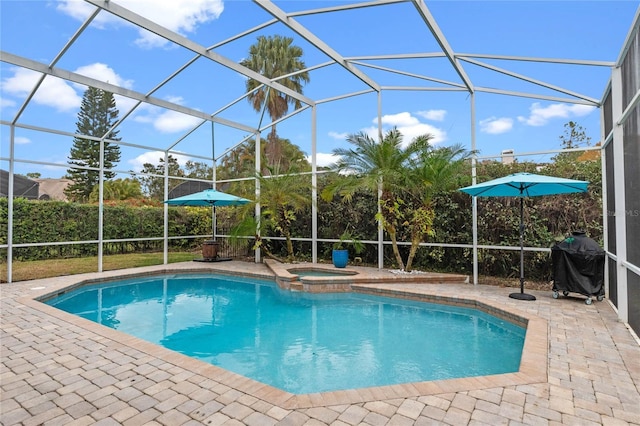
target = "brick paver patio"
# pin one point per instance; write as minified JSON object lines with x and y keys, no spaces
{"x":61,"y":370}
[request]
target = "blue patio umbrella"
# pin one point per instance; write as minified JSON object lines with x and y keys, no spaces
{"x":525,"y":185}
{"x":208,"y":198}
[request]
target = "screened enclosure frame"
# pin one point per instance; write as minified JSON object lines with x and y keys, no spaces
{"x":356,"y":67}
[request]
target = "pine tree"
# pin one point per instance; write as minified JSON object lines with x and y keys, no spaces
{"x":97,"y":115}
{"x":575,"y":136}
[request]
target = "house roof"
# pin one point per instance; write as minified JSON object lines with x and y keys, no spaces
{"x":53,"y":188}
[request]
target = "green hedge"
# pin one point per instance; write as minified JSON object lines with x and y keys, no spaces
{"x":55,"y":221}
{"x":547,"y":220}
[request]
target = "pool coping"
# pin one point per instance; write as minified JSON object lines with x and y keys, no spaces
{"x":533,"y":364}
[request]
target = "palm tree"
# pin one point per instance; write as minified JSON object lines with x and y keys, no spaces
{"x":119,"y":189}
{"x":407,"y":177}
{"x":275,"y":57}
{"x":282,"y":197}
{"x":240,"y":161}
{"x":433,"y":171}
{"x":377,"y":166}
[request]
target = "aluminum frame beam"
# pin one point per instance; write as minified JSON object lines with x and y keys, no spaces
{"x":408,"y":74}
{"x":346,"y":7}
{"x":530,"y":80}
{"x":55,"y":60}
{"x":430,"y":21}
{"x":536,"y":96}
{"x":188,"y":44}
{"x":298,"y":28}
{"x":535,"y":59}
{"x":88,"y":81}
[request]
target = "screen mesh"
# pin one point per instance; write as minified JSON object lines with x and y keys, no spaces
{"x":607,"y":111}
{"x":631,"y":71}
{"x":611,"y":199}
{"x":631,"y":142}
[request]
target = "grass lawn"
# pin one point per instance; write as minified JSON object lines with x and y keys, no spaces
{"x":37,"y":269}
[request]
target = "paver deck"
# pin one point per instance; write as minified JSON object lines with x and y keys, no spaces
{"x":60,"y":369}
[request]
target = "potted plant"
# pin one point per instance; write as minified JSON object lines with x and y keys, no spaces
{"x":340,"y":254}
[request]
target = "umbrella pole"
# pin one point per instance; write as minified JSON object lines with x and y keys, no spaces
{"x":522,"y":295}
{"x":210,"y":247}
{"x":213,"y":223}
{"x":521,"y":244}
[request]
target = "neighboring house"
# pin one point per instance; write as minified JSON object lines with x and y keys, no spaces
{"x":53,"y":189}
{"x":22,"y":186}
{"x":507,"y":156}
{"x":33,"y":189}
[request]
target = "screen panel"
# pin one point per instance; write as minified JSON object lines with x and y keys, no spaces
{"x":607,"y":111}
{"x":633,"y":292}
{"x":631,"y":71}
{"x":631,"y":143}
{"x":611,"y":199}
{"x":613,"y":281}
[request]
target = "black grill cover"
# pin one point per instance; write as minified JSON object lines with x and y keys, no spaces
{"x":578,"y":265}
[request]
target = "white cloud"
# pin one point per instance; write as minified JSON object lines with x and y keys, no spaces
{"x":6,"y":103}
{"x":103,"y":72}
{"x":154,"y":157}
{"x":496,"y":126}
{"x":539,"y":116}
{"x":433,"y":114}
{"x":21,"y":140}
{"x":409,"y":126}
{"x":401,"y":119}
{"x":145,"y":114}
{"x":53,"y":91}
{"x":166,"y":121}
{"x":338,"y":136}
{"x":324,"y":159}
{"x":59,"y":94}
{"x":124,"y":104}
{"x":172,"y":121}
{"x":80,"y":11}
{"x":182,"y":16}
{"x":175,"y":99}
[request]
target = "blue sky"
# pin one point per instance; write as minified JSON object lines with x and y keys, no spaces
{"x":116,"y":52}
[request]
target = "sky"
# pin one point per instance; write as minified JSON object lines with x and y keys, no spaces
{"x":114,"y":51}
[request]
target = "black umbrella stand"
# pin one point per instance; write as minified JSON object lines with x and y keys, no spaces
{"x":522,"y":295}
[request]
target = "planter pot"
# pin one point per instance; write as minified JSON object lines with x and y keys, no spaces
{"x":210,"y":249}
{"x":340,"y":258}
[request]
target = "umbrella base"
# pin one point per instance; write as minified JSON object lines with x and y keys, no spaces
{"x":210,"y":249}
{"x":522,"y":296}
{"x":214,"y":259}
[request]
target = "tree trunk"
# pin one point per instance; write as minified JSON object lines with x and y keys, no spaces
{"x":415,"y":243}
{"x":267,"y":252}
{"x":289,"y":246}
{"x":273,"y":150}
{"x":421,"y":222}
{"x":396,"y":251}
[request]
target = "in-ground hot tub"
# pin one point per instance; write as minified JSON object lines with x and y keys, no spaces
{"x":306,"y":271}
{"x":312,"y":278}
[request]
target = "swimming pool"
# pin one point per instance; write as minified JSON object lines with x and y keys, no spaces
{"x":302,"y":343}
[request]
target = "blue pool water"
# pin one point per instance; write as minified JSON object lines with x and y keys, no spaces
{"x":298,"y":342}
